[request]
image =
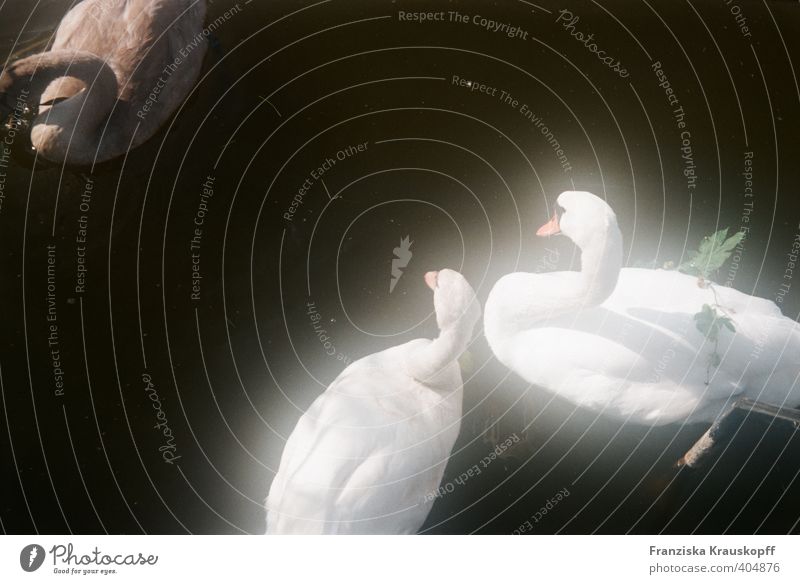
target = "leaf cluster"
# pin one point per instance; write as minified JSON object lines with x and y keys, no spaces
{"x":710,"y":322}
{"x":714,"y":251}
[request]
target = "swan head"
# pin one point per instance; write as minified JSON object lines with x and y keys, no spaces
{"x":454,"y":300}
{"x":581,"y":216}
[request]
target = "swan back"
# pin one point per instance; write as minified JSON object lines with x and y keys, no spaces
{"x":372,"y":449}
{"x":116,"y":71}
{"x":154,"y":48}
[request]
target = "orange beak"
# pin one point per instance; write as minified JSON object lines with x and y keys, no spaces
{"x":431,"y":279}
{"x":550,"y":228}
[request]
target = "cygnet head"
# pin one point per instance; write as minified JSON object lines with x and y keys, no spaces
{"x":454,"y":300}
{"x":581,"y":216}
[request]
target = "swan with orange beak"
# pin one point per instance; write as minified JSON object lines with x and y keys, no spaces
{"x":623,"y":342}
{"x":369,"y":454}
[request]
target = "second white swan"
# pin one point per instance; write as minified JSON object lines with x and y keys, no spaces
{"x":368,"y":455}
{"x":623,"y":342}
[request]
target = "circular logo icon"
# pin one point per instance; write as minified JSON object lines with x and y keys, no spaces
{"x":31,"y":557}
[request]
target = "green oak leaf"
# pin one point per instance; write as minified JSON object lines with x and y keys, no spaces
{"x":727,"y":323}
{"x":707,"y":323}
{"x":714,"y":251}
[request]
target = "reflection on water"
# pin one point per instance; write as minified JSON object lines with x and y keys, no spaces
{"x":212,"y":320}
{"x":27,"y":28}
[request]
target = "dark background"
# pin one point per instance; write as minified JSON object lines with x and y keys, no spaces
{"x":466,"y":177}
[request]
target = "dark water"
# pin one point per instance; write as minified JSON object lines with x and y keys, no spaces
{"x":288,"y":85}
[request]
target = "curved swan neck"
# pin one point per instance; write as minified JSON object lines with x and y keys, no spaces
{"x":521,"y":301}
{"x":601,"y":262}
{"x":427,"y":362}
{"x":70,"y":129}
{"x":560,"y":293}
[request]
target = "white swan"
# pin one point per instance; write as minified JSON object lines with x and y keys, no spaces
{"x":369,"y":454}
{"x":623,"y":342}
{"x":116,"y":71}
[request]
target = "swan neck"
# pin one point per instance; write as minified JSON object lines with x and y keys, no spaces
{"x":523,"y":301}
{"x":429,"y":362}
{"x":601,"y":262}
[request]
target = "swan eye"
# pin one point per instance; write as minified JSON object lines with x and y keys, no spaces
{"x":560,"y":210}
